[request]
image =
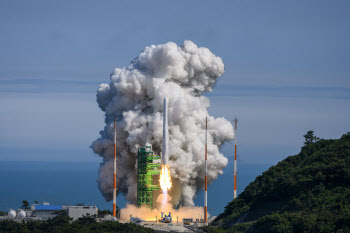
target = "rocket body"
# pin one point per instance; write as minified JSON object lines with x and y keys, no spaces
{"x":165,"y":145}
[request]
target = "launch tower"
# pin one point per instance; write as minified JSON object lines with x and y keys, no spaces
{"x":146,"y":168}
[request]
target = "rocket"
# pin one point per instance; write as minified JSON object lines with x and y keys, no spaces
{"x":165,"y":145}
{"x":165,"y":178}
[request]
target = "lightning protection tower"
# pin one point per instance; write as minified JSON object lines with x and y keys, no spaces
{"x":235,"y":163}
{"x":146,"y":169}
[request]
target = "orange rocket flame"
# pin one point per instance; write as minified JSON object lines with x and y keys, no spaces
{"x":165,"y":179}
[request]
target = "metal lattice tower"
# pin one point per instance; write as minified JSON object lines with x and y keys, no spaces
{"x":146,"y":168}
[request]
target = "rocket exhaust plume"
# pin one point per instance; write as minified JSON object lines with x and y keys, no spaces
{"x":165,"y":179}
{"x":135,"y":96}
{"x":152,"y":214}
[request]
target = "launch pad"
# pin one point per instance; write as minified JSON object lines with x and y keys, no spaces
{"x":146,"y":169}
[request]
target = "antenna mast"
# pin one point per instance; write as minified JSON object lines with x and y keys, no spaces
{"x":206,"y":173}
{"x":115,"y":170}
{"x":235,"y":163}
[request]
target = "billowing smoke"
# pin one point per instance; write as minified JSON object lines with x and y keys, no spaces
{"x":152,"y":215}
{"x":135,"y":97}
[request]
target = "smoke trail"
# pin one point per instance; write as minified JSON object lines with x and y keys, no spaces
{"x":151,"y":215}
{"x":135,"y":96}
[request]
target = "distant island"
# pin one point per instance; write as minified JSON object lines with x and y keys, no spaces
{"x":307,"y":192}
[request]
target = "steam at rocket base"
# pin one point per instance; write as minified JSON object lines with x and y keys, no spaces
{"x":165,"y":179}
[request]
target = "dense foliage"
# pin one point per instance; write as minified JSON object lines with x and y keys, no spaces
{"x":308,"y":192}
{"x":62,"y":223}
{"x":25,"y":205}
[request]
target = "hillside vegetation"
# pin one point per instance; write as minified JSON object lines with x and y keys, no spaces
{"x":62,"y":223}
{"x":308,"y":192}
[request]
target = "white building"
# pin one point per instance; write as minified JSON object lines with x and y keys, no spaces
{"x":76,"y":212}
{"x":46,"y":211}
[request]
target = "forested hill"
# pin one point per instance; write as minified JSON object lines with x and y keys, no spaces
{"x":308,"y":192}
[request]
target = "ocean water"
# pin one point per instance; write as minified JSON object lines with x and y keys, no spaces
{"x":69,"y":183}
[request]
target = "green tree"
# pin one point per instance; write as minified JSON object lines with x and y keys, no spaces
{"x":25,"y":205}
{"x":308,"y":192}
{"x":62,"y":223}
{"x":310,"y":138}
{"x":102,"y":213}
{"x":87,"y":219}
{"x":60,"y":218}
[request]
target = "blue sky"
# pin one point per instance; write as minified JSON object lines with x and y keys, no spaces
{"x":287,"y":67}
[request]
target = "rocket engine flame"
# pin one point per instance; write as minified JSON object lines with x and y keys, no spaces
{"x":165,"y":179}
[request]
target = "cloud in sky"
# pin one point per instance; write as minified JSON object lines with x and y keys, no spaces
{"x":30,"y":85}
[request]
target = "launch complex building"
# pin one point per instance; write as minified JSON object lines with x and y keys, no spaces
{"x":146,"y":169}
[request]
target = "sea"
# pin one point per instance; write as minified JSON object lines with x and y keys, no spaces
{"x":69,"y":183}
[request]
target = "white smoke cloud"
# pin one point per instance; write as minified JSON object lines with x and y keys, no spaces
{"x":135,"y":96}
{"x":154,"y":214}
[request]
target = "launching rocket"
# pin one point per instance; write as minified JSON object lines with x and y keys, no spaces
{"x":164,"y":178}
{"x":165,"y":146}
